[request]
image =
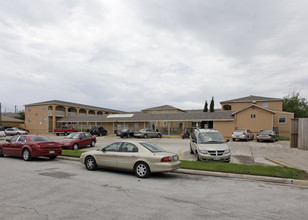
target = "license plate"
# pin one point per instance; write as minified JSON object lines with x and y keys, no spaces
{"x":216,"y":158}
{"x":51,"y":151}
{"x":237,"y":136}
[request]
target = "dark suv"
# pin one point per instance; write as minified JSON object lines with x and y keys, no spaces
{"x":99,"y":131}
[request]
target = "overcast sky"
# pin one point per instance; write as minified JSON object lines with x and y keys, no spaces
{"x":136,"y":54}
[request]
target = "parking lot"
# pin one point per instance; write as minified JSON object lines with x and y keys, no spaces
{"x":243,"y":152}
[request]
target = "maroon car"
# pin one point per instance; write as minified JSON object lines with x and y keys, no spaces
{"x":29,"y":146}
{"x":78,"y":139}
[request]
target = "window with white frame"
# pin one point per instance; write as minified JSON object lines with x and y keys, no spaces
{"x":282,"y":119}
{"x":253,"y":116}
{"x":265,"y":104}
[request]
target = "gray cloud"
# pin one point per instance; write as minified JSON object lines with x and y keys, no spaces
{"x":131,"y":55}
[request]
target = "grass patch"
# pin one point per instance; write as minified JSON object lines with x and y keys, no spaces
{"x":259,"y":170}
{"x":72,"y":153}
{"x":284,"y":138}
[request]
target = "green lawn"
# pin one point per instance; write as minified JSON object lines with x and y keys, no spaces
{"x":72,"y":153}
{"x":272,"y":171}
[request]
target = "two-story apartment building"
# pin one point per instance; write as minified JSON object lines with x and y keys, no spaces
{"x":252,"y":112}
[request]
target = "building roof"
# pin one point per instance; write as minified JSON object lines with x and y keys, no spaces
{"x":10,"y":119}
{"x":75,"y":105}
{"x":252,"y":98}
{"x":144,"y":117}
{"x":162,"y":107}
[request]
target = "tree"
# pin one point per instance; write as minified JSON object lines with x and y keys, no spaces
{"x":21,"y":116}
{"x":297,"y":104}
{"x":205,"y":109}
{"x":212,"y":105}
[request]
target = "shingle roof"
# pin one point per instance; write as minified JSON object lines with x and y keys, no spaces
{"x":252,"y":98}
{"x":76,"y":105}
{"x":162,"y":107}
{"x":255,"y":106}
{"x":9,"y":119}
{"x":141,"y":117}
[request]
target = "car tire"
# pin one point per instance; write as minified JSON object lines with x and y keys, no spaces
{"x":197,"y":156}
{"x":191,"y":150}
{"x":52,"y":157}
{"x":75,"y":147}
{"x":145,"y":136}
{"x":159,"y":136}
{"x":92,"y":143}
{"x":26,"y":155}
{"x":90,"y":163}
{"x":142,"y":170}
{"x":1,"y":155}
{"x":258,"y":140}
{"x":233,"y":139}
{"x":57,"y":134}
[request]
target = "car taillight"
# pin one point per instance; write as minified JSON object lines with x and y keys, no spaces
{"x":244,"y":133}
{"x":257,"y":134}
{"x":165,"y":159}
{"x":270,"y":135}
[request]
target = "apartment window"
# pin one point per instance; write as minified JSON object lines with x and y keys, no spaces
{"x":44,"y":107}
{"x":282,"y":119}
{"x":253,"y":116}
{"x":165,"y":123}
{"x":165,"y":111}
{"x":265,"y":104}
{"x":29,"y":119}
{"x":44,"y":119}
{"x":154,"y":112}
{"x":136,"y":125}
{"x":29,"y":108}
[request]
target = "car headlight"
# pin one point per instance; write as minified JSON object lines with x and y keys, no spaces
{"x":227,"y":151}
{"x":203,"y":151}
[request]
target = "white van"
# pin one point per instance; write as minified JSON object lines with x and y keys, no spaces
{"x":209,"y":144}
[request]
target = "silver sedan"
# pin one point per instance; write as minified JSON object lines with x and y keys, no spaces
{"x":14,"y":131}
{"x":141,"y":157}
{"x":267,"y":135}
{"x":242,"y":134}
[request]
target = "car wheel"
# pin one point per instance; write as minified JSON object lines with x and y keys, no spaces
{"x":1,"y":155}
{"x":142,"y":170}
{"x":26,"y":155}
{"x":197,"y":156}
{"x":90,"y":163}
{"x":159,"y":136}
{"x":92,"y":143}
{"x":145,"y":136}
{"x":52,"y":157}
{"x":17,"y":133}
{"x":247,"y":139}
{"x":233,"y":139}
{"x":57,"y":134}
{"x":258,"y":140}
{"x":99,"y":134}
{"x":75,"y":146}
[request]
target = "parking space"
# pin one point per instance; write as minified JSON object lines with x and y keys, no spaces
{"x":243,"y":152}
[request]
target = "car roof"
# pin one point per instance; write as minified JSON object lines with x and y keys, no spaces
{"x":207,"y":130}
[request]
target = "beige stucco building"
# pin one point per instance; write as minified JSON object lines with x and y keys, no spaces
{"x":252,"y":112}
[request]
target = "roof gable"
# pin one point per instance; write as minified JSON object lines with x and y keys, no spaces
{"x":253,"y":105}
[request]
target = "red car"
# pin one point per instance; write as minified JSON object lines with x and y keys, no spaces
{"x":29,"y":146}
{"x":78,"y":139}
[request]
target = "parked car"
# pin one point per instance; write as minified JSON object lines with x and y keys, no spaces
{"x":65,"y":130}
{"x":77,"y":140}
{"x":14,"y":131}
{"x":267,"y":135}
{"x":99,"y":131}
{"x":242,"y":134}
{"x":147,"y":133}
{"x":127,"y":133}
{"x":209,"y":144}
{"x":141,"y":157}
{"x":29,"y":146}
{"x":2,"y":134}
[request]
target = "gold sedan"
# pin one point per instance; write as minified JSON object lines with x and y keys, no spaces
{"x":141,"y":157}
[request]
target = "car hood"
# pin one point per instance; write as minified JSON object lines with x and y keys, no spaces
{"x":223,"y":146}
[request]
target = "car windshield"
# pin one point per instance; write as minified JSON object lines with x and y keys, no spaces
{"x":266,"y":131}
{"x":211,"y":137}
{"x":152,"y":147}
{"x":72,"y":136}
{"x":40,"y":139}
{"x":240,"y":130}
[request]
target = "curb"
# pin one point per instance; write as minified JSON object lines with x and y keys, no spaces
{"x":226,"y":175}
{"x":282,"y":163}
